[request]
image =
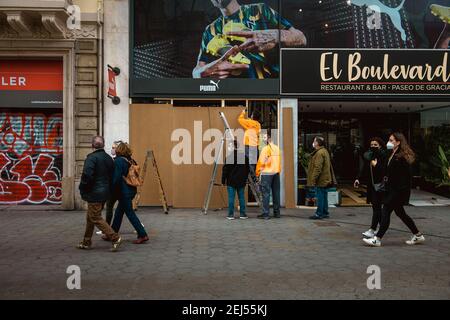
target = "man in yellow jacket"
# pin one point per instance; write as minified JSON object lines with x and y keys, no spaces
{"x":269,"y":169}
{"x":252,"y":129}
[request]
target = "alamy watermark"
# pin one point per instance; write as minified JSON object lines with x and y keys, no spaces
{"x":203,"y":146}
{"x":74,"y":20}
{"x":374,"y":280}
{"x":74,"y":280}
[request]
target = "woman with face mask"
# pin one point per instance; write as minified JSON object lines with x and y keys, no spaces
{"x":372,"y":171}
{"x":398,"y":190}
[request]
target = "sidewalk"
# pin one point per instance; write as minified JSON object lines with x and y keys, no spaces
{"x":193,"y":256}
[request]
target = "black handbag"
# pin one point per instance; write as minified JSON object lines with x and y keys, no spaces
{"x":378,"y":187}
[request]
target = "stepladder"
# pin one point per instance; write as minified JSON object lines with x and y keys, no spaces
{"x":252,"y":181}
{"x":150,"y":156}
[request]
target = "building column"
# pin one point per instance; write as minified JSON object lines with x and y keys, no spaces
{"x":116,"y":117}
{"x":288,"y":124}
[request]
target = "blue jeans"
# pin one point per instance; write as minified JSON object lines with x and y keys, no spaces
{"x":125,"y":206}
{"x":322,"y":202}
{"x":231,"y":196}
{"x":270,"y":183}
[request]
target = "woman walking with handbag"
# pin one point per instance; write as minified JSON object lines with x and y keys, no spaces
{"x":125,"y":193}
{"x":398,"y":190}
{"x":373,"y":169}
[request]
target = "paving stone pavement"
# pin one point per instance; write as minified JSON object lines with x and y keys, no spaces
{"x":193,"y":256}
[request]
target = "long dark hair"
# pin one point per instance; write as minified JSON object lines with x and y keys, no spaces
{"x":404,"y":150}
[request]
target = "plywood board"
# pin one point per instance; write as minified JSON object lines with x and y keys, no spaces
{"x":150,"y":128}
{"x":190,"y":181}
{"x":288,"y":155}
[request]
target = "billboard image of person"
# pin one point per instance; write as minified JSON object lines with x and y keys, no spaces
{"x":368,"y":47}
{"x":208,"y":47}
{"x":244,"y":42}
{"x":443,"y":13}
{"x":371,"y":24}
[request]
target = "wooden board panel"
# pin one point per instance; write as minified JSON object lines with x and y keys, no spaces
{"x":190,"y":181}
{"x":150,"y":128}
{"x":288,"y":155}
{"x":353,"y":196}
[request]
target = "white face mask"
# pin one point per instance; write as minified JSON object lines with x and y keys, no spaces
{"x":390,"y":145}
{"x":113,"y":152}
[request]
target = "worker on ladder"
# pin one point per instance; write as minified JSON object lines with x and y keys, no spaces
{"x":252,"y":129}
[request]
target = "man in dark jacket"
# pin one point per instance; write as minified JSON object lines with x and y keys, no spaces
{"x":234,"y":176}
{"x":95,"y":189}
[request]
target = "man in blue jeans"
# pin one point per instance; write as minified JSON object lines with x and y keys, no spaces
{"x":269,"y":169}
{"x":320,"y":175}
{"x":234,"y":176}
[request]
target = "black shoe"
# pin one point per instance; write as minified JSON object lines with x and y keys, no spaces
{"x":326,"y":217}
{"x":261,"y":216}
{"x":314,"y":217}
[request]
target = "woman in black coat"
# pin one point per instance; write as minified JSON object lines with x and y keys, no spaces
{"x":398,"y":190}
{"x":234,"y":176}
{"x":373,"y":171}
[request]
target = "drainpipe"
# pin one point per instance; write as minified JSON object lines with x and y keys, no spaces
{"x":100,"y":107}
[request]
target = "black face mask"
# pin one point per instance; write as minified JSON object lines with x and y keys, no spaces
{"x":374,"y":149}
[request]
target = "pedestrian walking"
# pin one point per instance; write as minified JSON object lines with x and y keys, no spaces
{"x":398,"y":190}
{"x":234,"y":176}
{"x":269,"y":169}
{"x":372,"y":171}
{"x":95,"y":189}
{"x":112,"y":200}
{"x":320,"y":175}
{"x":125,"y":193}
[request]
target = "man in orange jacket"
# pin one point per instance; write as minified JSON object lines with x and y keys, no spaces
{"x":269,"y":169}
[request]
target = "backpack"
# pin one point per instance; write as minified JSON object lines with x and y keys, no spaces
{"x":133,"y":178}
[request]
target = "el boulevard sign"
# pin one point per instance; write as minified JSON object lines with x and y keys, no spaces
{"x":364,"y":72}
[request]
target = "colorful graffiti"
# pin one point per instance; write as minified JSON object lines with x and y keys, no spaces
{"x":30,"y":158}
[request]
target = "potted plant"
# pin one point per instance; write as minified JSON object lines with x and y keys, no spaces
{"x":444,"y":185}
{"x":433,"y":151}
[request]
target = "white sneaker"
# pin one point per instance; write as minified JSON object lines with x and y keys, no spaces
{"x":416,"y":240}
{"x":230,"y":218}
{"x":373,"y":242}
{"x":99,"y":233}
{"x":369,"y":233}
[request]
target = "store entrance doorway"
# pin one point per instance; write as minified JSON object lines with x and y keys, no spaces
{"x":347,"y":137}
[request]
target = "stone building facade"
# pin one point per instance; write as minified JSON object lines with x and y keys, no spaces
{"x":36,"y":31}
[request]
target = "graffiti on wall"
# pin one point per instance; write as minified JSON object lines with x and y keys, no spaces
{"x":31,"y":147}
